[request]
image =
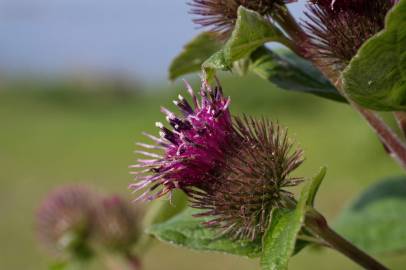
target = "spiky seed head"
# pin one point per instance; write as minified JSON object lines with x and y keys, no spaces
{"x":221,"y":15}
{"x":338,"y":28}
{"x":65,"y":218}
{"x":118,"y":224}
{"x":253,"y":182}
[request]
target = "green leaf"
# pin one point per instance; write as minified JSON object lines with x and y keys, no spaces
{"x":186,"y":231}
{"x":63,"y":265}
{"x":292,"y":73}
{"x":376,"y":220}
{"x":250,"y":32}
{"x":315,"y":185}
{"x":160,"y":211}
{"x":194,"y":54}
{"x":280,"y":239}
{"x":376,"y":76}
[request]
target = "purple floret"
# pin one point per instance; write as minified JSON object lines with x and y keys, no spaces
{"x":194,"y":146}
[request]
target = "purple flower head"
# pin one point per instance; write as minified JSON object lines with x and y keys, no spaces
{"x":118,"y":224}
{"x":65,"y":218}
{"x":221,"y":15}
{"x":338,"y":28}
{"x":235,"y":170}
{"x":193,"y":148}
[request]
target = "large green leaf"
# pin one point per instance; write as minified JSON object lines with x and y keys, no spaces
{"x":376,"y":76}
{"x":280,"y":239}
{"x":376,"y":221}
{"x":250,"y":32}
{"x":186,"y":231}
{"x":194,"y":54}
{"x":292,"y":73}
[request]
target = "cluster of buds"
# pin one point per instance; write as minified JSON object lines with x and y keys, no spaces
{"x":331,"y":33}
{"x":221,"y":15}
{"x":118,"y":224}
{"x":73,"y":219}
{"x":235,"y":170}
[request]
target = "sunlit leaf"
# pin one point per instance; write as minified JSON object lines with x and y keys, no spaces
{"x":250,"y":32}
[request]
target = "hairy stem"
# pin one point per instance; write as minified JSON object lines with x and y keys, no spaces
{"x":318,"y":226}
{"x":401,"y":120}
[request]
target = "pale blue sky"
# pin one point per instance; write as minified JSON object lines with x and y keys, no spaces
{"x":133,"y":37}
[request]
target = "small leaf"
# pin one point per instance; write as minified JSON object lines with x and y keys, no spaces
{"x":315,"y":185}
{"x":194,"y":54}
{"x":186,"y":231}
{"x":376,"y":221}
{"x":376,"y":76}
{"x":280,"y":239}
{"x":292,"y":73}
{"x":162,"y":210}
{"x":250,"y":32}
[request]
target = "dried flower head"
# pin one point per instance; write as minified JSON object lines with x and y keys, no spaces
{"x":118,"y":224}
{"x":65,"y":218}
{"x":338,"y":28}
{"x":221,"y":15}
{"x":236,"y":169}
{"x":253,"y":183}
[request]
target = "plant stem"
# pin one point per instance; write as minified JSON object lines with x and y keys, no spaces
{"x":317,"y":225}
{"x":396,"y":147}
{"x":401,"y":120}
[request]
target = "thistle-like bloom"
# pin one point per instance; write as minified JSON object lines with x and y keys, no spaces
{"x":221,"y":15}
{"x":338,"y":28}
{"x":253,"y":181}
{"x":193,"y":149}
{"x":118,"y":224}
{"x":236,"y":171}
{"x":65,"y":218}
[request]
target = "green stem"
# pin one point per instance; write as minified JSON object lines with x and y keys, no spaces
{"x":317,"y":225}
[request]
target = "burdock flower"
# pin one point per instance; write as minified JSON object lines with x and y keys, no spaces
{"x":193,"y":149}
{"x":221,"y":15}
{"x":338,"y":28}
{"x":65,"y":219}
{"x":118,"y":224}
{"x":235,"y":170}
{"x":253,"y":181}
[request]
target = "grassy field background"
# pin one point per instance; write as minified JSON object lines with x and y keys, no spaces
{"x":57,"y":136}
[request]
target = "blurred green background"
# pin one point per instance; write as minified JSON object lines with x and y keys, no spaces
{"x":58,"y":132}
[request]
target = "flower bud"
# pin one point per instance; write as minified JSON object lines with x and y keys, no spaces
{"x":65,"y":219}
{"x":118,"y":224}
{"x":338,"y":28}
{"x":221,"y":15}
